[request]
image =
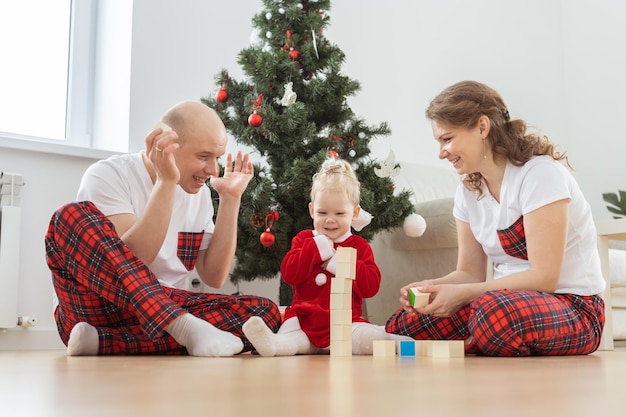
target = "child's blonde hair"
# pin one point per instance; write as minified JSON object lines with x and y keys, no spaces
{"x":337,"y":175}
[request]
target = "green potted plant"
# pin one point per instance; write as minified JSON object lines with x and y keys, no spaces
{"x":616,"y":203}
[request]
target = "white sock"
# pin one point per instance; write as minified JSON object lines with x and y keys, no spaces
{"x":83,"y":341}
{"x":260,"y":336}
{"x":364,"y":334}
{"x":290,"y":339}
{"x":294,"y":343}
{"x":201,"y":338}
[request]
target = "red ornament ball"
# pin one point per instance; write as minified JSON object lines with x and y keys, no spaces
{"x":294,"y":54}
{"x":221,"y":96}
{"x":267,"y":238}
{"x":255,"y":120}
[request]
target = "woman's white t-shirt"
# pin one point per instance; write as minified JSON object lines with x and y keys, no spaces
{"x":539,"y":182}
{"x":122,"y":184}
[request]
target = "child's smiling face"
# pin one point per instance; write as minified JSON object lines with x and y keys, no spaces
{"x":332,"y":213}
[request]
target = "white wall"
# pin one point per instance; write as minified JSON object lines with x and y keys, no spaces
{"x":178,"y":48}
{"x":424,"y":47}
{"x":558,"y":63}
{"x":51,"y":180}
{"x":593,"y":98}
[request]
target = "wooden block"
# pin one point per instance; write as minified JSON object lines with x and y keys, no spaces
{"x":446,"y":349}
{"x":341,"y":301}
{"x":346,"y":271}
{"x":341,"y":347}
{"x":406,"y":348}
{"x":418,"y":298}
{"x":422,"y":347}
{"x":340,"y":285}
{"x":340,"y":332}
{"x":341,"y":316}
{"x":384,"y":348}
{"x":457,"y":348}
{"x":346,"y":254}
{"x":345,"y":262}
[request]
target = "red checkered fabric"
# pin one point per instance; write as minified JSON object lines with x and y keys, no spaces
{"x":99,"y":281}
{"x":188,"y":245}
{"x":514,"y":323}
{"x":513,"y":239}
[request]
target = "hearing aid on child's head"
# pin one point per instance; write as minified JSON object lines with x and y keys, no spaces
{"x":163,"y":126}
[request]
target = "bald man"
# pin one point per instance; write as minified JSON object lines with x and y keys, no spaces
{"x":121,"y":254}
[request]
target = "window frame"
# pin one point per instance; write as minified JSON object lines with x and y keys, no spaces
{"x":88,"y":22}
{"x":81,"y":73}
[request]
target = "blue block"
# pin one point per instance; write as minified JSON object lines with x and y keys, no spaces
{"x":407,"y":348}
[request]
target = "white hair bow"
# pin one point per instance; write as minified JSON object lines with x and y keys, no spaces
{"x":362,"y":220}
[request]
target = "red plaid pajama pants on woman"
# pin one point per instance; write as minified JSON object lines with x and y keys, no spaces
{"x":514,"y":323}
{"x":99,"y":281}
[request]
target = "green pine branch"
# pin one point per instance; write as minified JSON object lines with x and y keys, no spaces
{"x":295,"y":139}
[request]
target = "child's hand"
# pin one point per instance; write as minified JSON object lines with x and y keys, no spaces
{"x":332,"y":244}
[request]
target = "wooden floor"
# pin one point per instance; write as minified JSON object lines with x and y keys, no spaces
{"x":48,"y":383}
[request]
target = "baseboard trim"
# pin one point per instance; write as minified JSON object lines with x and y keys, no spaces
{"x":30,"y":338}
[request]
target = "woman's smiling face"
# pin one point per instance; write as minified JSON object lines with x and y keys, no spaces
{"x":463,"y":148}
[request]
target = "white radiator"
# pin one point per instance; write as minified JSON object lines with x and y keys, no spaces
{"x":10,"y":221}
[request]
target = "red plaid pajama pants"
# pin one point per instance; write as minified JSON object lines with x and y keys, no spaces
{"x":99,"y":281}
{"x":514,"y":323}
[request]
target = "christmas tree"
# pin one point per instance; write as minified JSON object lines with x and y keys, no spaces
{"x":292,"y":109}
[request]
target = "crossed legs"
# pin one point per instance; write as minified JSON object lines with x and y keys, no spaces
{"x":100,"y":283}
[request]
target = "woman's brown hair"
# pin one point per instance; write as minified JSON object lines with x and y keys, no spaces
{"x":462,"y":104}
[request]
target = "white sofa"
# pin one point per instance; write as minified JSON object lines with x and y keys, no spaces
{"x":403,"y":259}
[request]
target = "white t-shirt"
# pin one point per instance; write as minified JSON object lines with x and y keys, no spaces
{"x":539,"y":182}
{"x":122,"y":184}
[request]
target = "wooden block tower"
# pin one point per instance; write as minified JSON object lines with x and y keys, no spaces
{"x":341,"y":302}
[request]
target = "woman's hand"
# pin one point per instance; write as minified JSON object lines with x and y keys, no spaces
{"x":404,"y":294}
{"x":445,"y":299}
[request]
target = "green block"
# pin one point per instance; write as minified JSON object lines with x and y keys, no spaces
{"x":417,"y":298}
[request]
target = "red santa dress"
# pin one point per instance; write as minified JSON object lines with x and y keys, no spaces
{"x":311,"y":296}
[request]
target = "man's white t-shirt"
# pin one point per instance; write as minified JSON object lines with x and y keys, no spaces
{"x":539,"y":182}
{"x":122,"y":184}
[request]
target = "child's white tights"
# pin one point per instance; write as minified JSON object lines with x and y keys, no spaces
{"x":291,"y":340}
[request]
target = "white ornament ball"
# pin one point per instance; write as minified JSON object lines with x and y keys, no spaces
{"x":320,"y":279}
{"x":255,"y":38}
{"x":352,"y":153}
{"x":268,"y":15}
{"x":299,"y":6}
{"x":361,"y":135}
{"x":414,"y":225}
{"x":268,"y":35}
{"x":281,"y":11}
